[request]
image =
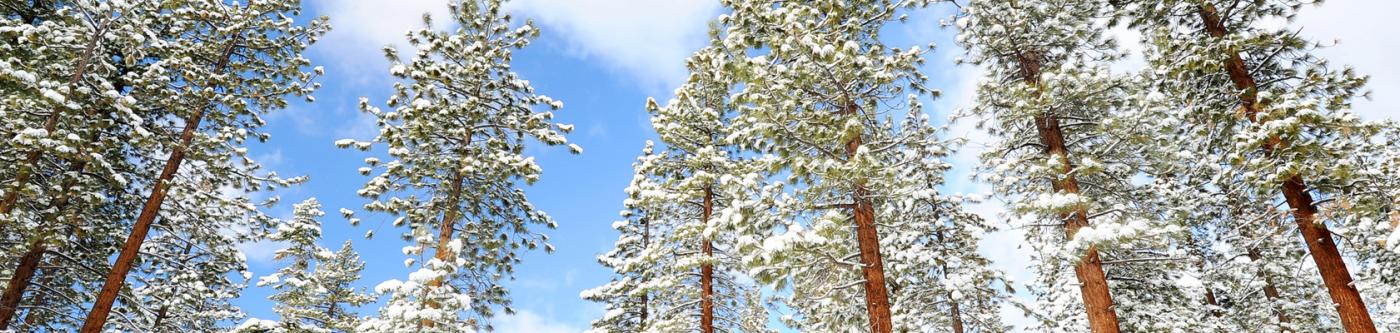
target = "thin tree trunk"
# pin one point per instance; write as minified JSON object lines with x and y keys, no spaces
{"x":877,"y":299}
{"x":330,"y":311}
{"x":646,"y":299}
{"x":707,"y":269}
{"x":1270,"y":291}
{"x":1350,"y":307}
{"x":954,"y":312}
{"x":97,"y":318}
{"x":29,"y":263}
{"x":164,"y":311}
{"x":956,"y":317}
{"x":1093,"y":285}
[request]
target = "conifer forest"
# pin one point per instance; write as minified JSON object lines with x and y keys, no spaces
{"x":960,"y":166}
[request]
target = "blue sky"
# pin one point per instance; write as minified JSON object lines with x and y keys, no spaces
{"x":603,"y":58}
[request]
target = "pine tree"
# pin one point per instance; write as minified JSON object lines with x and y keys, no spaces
{"x":695,"y":195}
{"x":1276,"y":115}
{"x":628,"y":297}
{"x":1065,"y":155}
{"x":314,"y":291}
{"x":214,"y":83}
{"x":456,"y":135}
{"x":819,"y":90}
{"x":942,"y":283}
{"x":73,"y":103}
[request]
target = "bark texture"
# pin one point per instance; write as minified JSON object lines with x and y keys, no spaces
{"x":28,"y":266}
{"x":877,"y":298}
{"x":447,"y":228}
{"x":1093,"y":284}
{"x":707,"y":269}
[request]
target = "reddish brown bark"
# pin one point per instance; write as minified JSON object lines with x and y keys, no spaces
{"x":1350,"y":307}
{"x":877,"y":298}
{"x":1214,"y":308}
{"x":97,"y":318}
{"x":445,"y":231}
{"x":28,"y":266}
{"x":707,"y":269}
{"x":1093,"y":284}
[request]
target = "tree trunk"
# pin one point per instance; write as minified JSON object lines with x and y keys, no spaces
{"x":28,"y":265}
{"x":954,"y":312}
{"x":646,"y":301}
{"x":1270,"y":291}
{"x":97,"y":318}
{"x":1213,"y":305}
{"x":1093,"y":285}
{"x":330,"y":311}
{"x":164,"y":311}
{"x":707,"y":269}
{"x":956,"y":317}
{"x":877,"y":299}
{"x":447,"y":228}
{"x":1350,"y":307}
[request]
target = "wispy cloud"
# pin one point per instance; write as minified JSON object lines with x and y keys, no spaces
{"x":361,"y":29}
{"x":527,"y":321}
{"x":649,"y":40}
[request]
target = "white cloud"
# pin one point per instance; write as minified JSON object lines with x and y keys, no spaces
{"x":647,"y":39}
{"x":261,"y":252}
{"x":525,"y":321}
{"x":361,"y":29}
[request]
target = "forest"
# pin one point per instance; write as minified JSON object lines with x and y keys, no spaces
{"x":796,"y":179}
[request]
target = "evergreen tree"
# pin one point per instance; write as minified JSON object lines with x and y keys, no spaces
{"x":1276,"y":117}
{"x":628,"y":298}
{"x":1065,"y":156}
{"x":696,"y":195}
{"x":818,"y":94}
{"x":314,"y":292}
{"x":60,"y":92}
{"x":456,"y":135}
{"x":218,"y":67}
{"x":942,"y":283}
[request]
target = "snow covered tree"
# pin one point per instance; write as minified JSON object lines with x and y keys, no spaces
{"x":63,"y":107}
{"x":696,"y":193}
{"x":627,"y":298}
{"x":456,"y":137}
{"x":314,"y":291}
{"x":818,"y":94}
{"x":215,"y":69}
{"x":941,"y":283}
{"x":1066,"y":156}
{"x":1276,"y":115}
